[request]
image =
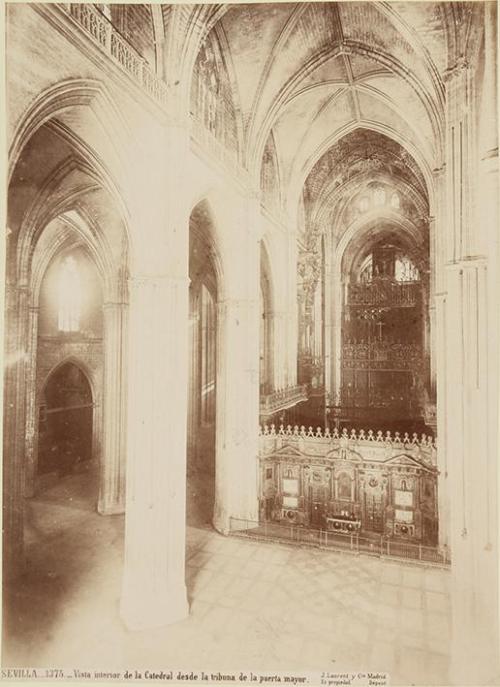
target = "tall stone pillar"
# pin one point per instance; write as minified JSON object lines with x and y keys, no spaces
{"x":154,"y":591}
{"x":237,"y":415}
{"x":442,"y":362}
{"x":293,"y":318}
{"x":278,"y":352}
{"x":473,"y":479}
{"x":153,"y":588}
{"x":237,"y":422}
{"x":337,"y":289}
{"x":113,"y":459}
{"x":16,"y":317}
{"x":194,"y":371}
{"x":472,"y":370}
{"x":327,"y":320}
{"x":439,"y":359}
{"x":431,"y":308}
{"x":31,"y":434}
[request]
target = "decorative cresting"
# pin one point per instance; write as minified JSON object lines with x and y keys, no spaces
{"x":321,"y":441}
{"x":282,"y":399}
{"x":100,"y":29}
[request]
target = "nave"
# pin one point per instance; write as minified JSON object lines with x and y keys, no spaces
{"x":254,"y":246}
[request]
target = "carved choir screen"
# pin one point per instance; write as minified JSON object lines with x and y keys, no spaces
{"x":366,"y":484}
{"x":383,"y":359}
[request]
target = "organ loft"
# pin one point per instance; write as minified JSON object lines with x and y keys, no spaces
{"x":251,"y":327}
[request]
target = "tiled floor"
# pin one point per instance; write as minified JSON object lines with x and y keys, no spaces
{"x":254,"y":606}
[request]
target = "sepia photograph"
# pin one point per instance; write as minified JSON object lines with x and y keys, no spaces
{"x":251,"y":304}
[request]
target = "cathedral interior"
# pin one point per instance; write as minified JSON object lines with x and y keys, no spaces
{"x":250,"y":338}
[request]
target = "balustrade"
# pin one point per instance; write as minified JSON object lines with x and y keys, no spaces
{"x":384,"y":292}
{"x":281,"y":399}
{"x":100,"y":29}
{"x":96,"y":25}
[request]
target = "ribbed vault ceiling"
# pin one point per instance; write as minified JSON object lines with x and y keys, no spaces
{"x":310,"y":73}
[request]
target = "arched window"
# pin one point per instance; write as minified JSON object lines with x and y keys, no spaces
{"x":395,"y":202}
{"x":364,"y":204}
{"x":69,"y":296}
{"x":379,"y":197}
{"x":366,"y":270}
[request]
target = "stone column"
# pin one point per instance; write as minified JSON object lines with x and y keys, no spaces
{"x":153,"y":588}
{"x":238,"y":343}
{"x":442,"y":362}
{"x":237,"y":415}
{"x":32,"y":407}
{"x":432,"y":306}
{"x":472,"y":477}
{"x":338,"y":289}
{"x":293,"y":317}
{"x":194,"y":372}
{"x":472,"y":372}
{"x":16,"y":317}
{"x":327,"y":321}
{"x":154,"y":591}
{"x":113,"y":459}
{"x":279,"y":342}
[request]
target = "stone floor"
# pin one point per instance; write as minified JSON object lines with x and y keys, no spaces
{"x":254,"y":606}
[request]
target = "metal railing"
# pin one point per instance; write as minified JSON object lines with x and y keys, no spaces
{"x":353,"y":543}
{"x":384,"y":291}
{"x":281,"y":399}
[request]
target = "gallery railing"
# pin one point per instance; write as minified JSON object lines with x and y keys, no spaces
{"x":353,"y":543}
{"x":384,"y":291}
{"x":100,"y":29}
{"x":282,"y":399}
{"x":110,"y":40}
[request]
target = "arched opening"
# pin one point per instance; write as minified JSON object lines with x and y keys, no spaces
{"x":67,"y":258}
{"x":203,"y":323}
{"x":65,"y":423}
{"x":384,"y":362}
{"x":69,"y":341}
